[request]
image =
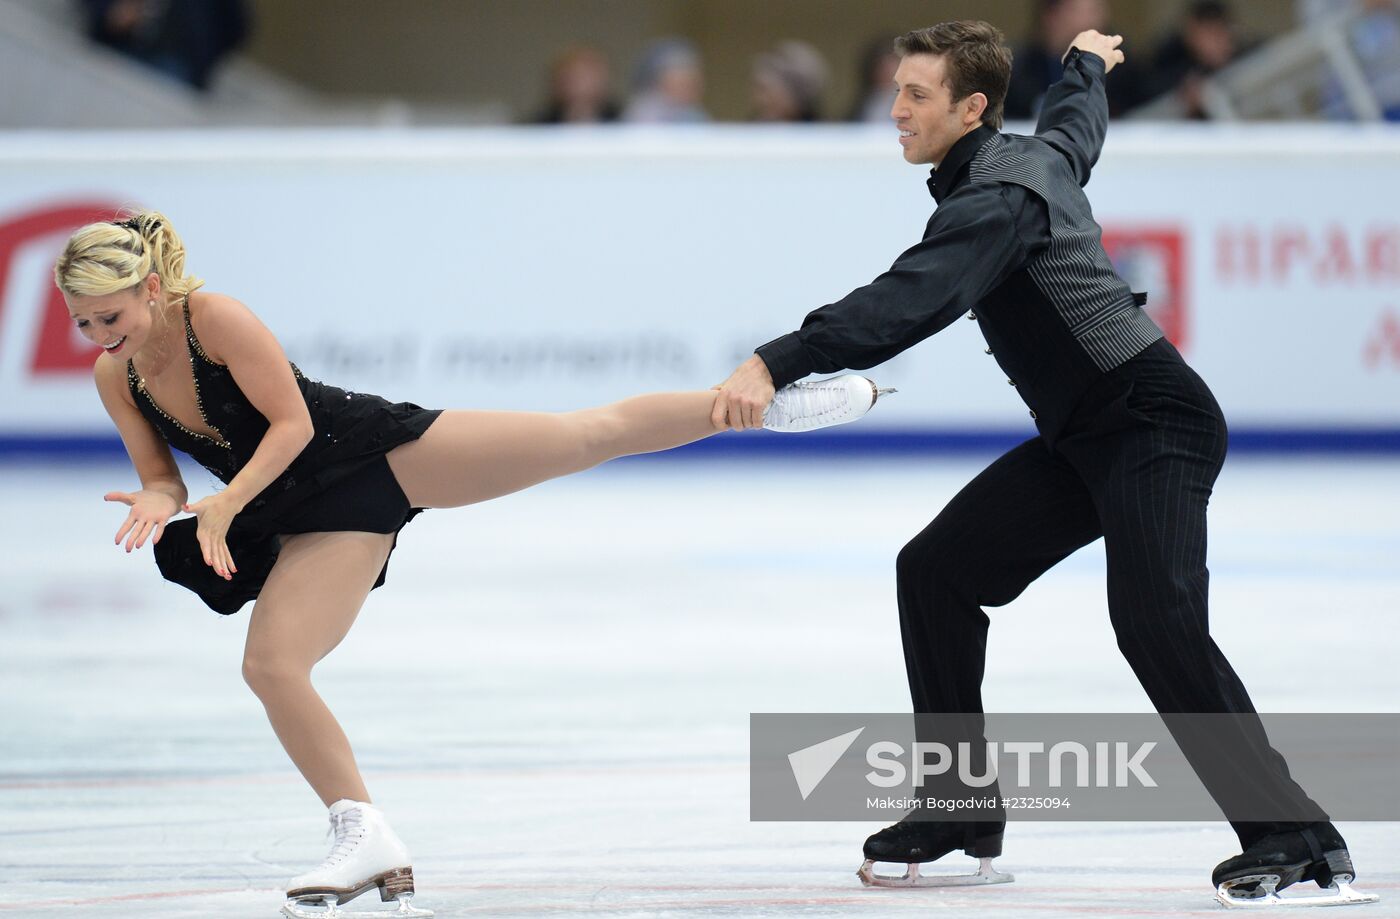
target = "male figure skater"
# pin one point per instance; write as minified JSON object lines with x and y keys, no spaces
{"x":1130,"y":439}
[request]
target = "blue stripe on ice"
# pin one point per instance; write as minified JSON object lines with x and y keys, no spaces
{"x":852,"y":441}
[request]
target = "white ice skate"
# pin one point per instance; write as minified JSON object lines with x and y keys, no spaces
{"x":985,"y":874}
{"x":821,"y":403}
{"x":1265,"y":895}
{"x":366,"y":855}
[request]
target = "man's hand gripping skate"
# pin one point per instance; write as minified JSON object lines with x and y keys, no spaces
{"x":747,"y":401}
{"x":744,"y":397}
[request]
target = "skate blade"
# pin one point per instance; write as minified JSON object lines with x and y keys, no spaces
{"x":1266,"y":896}
{"x":985,"y":875}
{"x":327,"y":908}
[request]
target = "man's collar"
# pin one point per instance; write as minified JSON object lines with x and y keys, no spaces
{"x":940,"y":183}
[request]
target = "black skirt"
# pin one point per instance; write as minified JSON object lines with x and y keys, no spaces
{"x":344,"y":484}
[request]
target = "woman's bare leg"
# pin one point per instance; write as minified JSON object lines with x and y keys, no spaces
{"x":311,"y":599}
{"x":471,"y":456}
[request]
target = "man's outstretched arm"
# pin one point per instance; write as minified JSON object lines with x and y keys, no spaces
{"x":1074,"y":115}
{"x":977,"y":237}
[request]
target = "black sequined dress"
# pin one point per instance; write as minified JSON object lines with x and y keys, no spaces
{"x":340,"y":481}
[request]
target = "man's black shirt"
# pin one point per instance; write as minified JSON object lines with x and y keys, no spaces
{"x":1013,"y":240}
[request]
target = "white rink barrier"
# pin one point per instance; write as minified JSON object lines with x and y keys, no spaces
{"x":532,"y":268}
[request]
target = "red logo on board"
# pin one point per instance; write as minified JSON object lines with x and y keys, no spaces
{"x":57,"y":350}
{"x":1384,"y":344}
{"x":1153,"y":259}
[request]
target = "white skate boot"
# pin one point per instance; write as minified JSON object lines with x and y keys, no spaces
{"x":366,"y":854}
{"x":821,"y":403}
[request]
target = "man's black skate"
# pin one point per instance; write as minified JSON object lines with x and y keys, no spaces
{"x":1317,"y":853}
{"x":912,"y":842}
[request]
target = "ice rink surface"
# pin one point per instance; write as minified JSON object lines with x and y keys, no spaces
{"x":550,"y":698}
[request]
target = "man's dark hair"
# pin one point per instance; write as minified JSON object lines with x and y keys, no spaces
{"x":975,"y":60}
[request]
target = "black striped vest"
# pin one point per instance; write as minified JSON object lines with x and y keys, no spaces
{"x":1067,"y":318}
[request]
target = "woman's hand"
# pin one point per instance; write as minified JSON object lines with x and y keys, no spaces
{"x":149,"y":512}
{"x":215,"y":513}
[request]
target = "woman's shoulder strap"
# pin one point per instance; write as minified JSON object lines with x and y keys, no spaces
{"x":195,"y":347}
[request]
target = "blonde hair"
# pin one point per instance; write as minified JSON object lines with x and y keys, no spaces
{"x":104,"y":258}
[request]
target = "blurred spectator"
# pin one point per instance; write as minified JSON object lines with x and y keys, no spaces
{"x":788,"y":83}
{"x":579,"y":91}
{"x":668,"y":85}
{"x":1206,"y":42}
{"x":1374,"y":36}
{"x":1036,"y":66}
{"x":876,"y":82}
{"x":184,"y":39}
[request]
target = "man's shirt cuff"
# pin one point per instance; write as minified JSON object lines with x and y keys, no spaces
{"x":1090,"y":59}
{"x":786,"y":358}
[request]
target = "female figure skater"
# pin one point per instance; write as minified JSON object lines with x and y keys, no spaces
{"x":319,"y":482}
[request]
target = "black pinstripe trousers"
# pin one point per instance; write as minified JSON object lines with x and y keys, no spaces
{"x":1135,"y":465}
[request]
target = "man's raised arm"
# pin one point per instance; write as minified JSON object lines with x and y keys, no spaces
{"x":1074,"y":115}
